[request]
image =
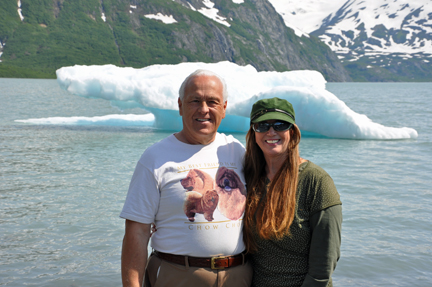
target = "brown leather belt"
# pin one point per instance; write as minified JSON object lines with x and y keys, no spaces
{"x":218,"y":262}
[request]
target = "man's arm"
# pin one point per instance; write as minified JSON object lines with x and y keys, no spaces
{"x":134,"y":253}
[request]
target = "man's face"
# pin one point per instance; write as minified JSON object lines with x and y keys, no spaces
{"x":202,"y":109}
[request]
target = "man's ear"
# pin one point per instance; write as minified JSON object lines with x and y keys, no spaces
{"x":180,"y":105}
{"x":225,"y":106}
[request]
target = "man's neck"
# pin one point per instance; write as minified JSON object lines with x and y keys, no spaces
{"x":204,"y":140}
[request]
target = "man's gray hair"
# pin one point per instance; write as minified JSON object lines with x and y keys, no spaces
{"x":202,"y":72}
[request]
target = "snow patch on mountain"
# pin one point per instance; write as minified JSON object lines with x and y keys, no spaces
{"x":305,"y":16}
{"x":164,"y":18}
{"x":208,"y":9}
{"x":20,"y":10}
{"x":211,"y":12}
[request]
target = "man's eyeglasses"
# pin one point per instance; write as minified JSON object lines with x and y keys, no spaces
{"x":278,"y":126}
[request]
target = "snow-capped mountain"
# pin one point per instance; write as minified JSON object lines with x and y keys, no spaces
{"x":371,"y":32}
{"x":376,"y":40}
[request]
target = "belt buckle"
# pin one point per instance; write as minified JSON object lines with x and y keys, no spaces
{"x":213,"y":262}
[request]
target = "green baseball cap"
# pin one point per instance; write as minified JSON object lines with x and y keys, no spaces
{"x":272,"y":109}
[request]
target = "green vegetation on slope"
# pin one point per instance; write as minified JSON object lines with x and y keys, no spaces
{"x":74,"y":33}
{"x":65,"y":33}
{"x":394,"y":68}
{"x":43,"y":42}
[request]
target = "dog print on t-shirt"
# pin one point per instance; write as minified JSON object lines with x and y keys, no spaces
{"x":204,"y":194}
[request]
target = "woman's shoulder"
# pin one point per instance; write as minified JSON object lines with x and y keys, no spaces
{"x":310,"y":168}
{"x":318,"y":185}
{"x":314,"y":175}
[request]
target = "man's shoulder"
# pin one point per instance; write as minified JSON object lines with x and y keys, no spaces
{"x":224,"y":139}
{"x":164,"y":144}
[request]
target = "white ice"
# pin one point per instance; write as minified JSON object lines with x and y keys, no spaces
{"x":108,"y":120}
{"x":155,"y":89}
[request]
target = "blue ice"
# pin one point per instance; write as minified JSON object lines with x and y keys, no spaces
{"x":155,"y":89}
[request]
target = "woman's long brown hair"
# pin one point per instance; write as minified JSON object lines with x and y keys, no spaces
{"x":272,"y":215}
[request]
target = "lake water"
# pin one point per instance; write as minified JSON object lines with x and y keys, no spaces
{"x":63,"y":187}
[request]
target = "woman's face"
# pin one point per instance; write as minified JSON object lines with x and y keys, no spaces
{"x":273,"y":144}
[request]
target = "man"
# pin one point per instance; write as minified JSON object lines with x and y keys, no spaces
{"x":190,"y":185}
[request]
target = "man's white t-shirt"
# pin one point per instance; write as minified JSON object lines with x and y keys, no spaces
{"x":195,"y":195}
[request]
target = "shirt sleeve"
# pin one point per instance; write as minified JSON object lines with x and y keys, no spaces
{"x":142,"y":200}
{"x":325,"y":246}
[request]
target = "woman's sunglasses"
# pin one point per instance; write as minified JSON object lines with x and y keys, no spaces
{"x":278,"y":126}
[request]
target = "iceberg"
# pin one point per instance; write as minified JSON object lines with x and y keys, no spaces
{"x":155,"y":89}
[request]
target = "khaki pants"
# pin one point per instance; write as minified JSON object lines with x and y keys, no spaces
{"x":161,"y":273}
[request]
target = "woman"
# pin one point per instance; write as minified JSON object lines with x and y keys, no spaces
{"x":292,"y":223}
